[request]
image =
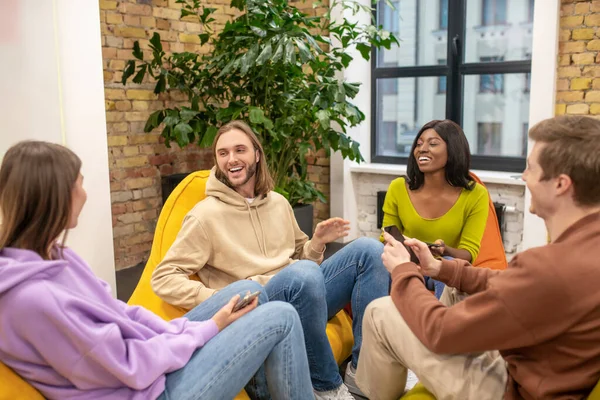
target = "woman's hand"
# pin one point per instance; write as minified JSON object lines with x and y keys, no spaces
{"x":329,"y":230}
{"x":438,"y":251}
{"x":225,"y":316}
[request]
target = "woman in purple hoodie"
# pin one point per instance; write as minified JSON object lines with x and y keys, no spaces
{"x":62,"y":331}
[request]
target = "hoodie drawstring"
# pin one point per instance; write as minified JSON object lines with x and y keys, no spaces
{"x":262,"y":245}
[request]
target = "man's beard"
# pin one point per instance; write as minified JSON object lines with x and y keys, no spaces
{"x":250,"y":172}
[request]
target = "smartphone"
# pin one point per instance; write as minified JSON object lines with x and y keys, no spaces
{"x":395,"y":232}
{"x":244,"y":301}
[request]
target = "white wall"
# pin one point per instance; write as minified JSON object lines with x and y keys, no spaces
{"x":52,"y":88}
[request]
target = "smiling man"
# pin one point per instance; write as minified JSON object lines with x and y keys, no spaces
{"x":531,"y":331}
{"x":245,"y":232}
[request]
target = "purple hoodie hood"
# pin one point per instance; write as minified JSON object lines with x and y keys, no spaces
{"x":63,"y":332}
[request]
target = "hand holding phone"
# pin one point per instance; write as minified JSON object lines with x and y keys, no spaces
{"x":395,"y":232}
{"x":244,"y":301}
{"x":234,"y":309}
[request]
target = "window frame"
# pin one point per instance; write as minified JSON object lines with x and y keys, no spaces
{"x":455,"y":71}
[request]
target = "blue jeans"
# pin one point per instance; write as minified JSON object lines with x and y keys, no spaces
{"x":356,"y":275}
{"x":269,"y":338}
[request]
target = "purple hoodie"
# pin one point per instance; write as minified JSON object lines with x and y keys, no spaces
{"x":62,"y":331}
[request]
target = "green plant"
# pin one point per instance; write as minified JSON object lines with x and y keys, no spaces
{"x":274,"y":67}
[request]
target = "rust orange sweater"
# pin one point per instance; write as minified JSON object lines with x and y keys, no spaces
{"x":542,"y":313}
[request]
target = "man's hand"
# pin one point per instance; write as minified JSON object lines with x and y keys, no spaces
{"x":394,"y":253}
{"x":329,"y":230}
{"x":225,"y":316}
{"x":428,"y":264}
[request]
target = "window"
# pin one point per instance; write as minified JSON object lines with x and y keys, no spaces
{"x":391,"y":17}
{"x":443,"y":21}
{"x":531,"y":3}
{"x":524,"y":139}
{"x":441,"y":79}
{"x":449,"y":66}
{"x":489,"y":138}
{"x":491,"y":83}
{"x":493,"y":12}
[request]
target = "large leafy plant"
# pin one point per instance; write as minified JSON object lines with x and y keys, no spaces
{"x":274,"y":67}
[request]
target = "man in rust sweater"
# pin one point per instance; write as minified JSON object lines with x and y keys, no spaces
{"x":529,"y":332}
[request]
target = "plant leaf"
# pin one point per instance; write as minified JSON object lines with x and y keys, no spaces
{"x":209,"y":136}
{"x":365,"y":50}
{"x":139,"y":77}
{"x":264,"y":55}
{"x":128,"y":71}
{"x":181,"y":132}
{"x":137,"y":51}
{"x":155,"y":41}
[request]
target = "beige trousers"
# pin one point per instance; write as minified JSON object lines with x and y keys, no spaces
{"x":389,"y":347}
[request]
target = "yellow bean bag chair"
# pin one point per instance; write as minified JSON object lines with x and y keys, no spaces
{"x":189,"y":192}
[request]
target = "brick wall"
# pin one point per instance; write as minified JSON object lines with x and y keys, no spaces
{"x":137,"y":160}
{"x":578,"y":85}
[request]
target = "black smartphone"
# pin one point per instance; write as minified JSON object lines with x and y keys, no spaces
{"x":395,"y":232}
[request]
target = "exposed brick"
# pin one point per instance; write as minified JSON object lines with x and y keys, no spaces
{"x":593,"y":45}
{"x":595,"y":6}
{"x":591,"y":71}
{"x":136,"y":94}
{"x":560,"y":109}
{"x":571,"y":47}
{"x":595,"y":109}
{"x":116,"y":140}
{"x":583,"y":34}
{"x":583,"y":58}
{"x":571,"y":21}
{"x":569,"y":97}
{"x":580,"y":83}
{"x":135,"y":9}
{"x":592,"y":19}
{"x":579,"y":109}
{"x":564,"y":35}
{"x":582,"y":8}
{"x":130,"y":32}
{"x":108,"y":5}
{"x":117,"y":127}
{"x":593,"y":96}
{"x":148,"y":22}
{"x":131,"y":20}
{"x":564,"y":60}
{"x":131,"y":151}
{"x":166,"y":13}
{"x":162,"y":23}
{"x":114,"y":94}
{"x":564,"y":72}
{"x":114,"y":18}
{"x":132,"y":162}
{"x":139,"y":182}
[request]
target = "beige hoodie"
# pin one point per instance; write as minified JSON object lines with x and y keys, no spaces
{"x":224,"y":239}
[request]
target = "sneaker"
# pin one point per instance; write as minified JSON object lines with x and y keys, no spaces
{"x":341,"y":393}
{"x":350,"y":381}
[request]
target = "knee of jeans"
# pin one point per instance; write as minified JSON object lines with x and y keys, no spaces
{"x":308,"y":278}
{"x":282,"y":310}
{"x":244,"y":286}
{"x":369,"y":246}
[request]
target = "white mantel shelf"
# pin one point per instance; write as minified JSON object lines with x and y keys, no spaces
{"x":502,"y":178}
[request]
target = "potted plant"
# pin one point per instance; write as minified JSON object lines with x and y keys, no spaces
{"x":274,"y":67}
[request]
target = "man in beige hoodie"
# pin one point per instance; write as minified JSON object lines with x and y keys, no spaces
{"x":246,"y":234}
